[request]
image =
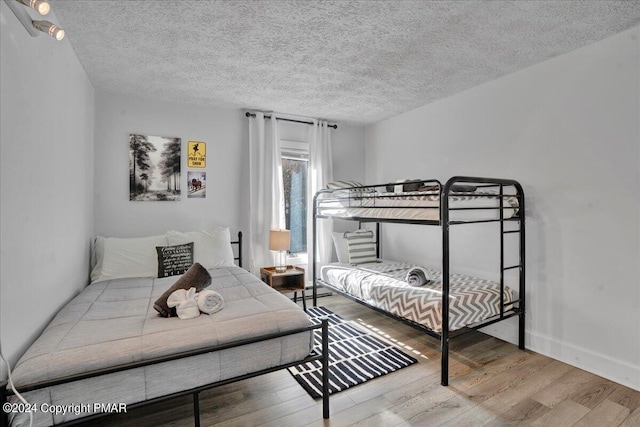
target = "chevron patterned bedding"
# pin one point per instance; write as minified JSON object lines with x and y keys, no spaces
{"x":383,"y":285}
{"x":418,"y":205}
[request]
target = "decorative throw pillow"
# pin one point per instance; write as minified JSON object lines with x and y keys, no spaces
{"x":361,"y":246}
{"x":173,"y":260}
{"x":404,"y":185}
{"x":413,"y":185}
{"x":195,"y":277}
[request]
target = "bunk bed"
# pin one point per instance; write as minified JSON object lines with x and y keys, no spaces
{"x":461,"y":201}
{"x":90,"y":356}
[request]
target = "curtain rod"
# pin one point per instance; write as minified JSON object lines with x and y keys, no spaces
{"x":248,"y":114}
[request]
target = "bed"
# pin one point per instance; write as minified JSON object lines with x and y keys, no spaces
{"x":383,"y":285}
{"x":109,"y":346}
{"x":451,"y":304}
{"x":415,"y":201}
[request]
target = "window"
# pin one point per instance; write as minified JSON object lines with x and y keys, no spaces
{"x":295,"y":166}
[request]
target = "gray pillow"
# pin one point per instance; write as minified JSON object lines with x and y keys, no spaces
{"x":174,"y":260}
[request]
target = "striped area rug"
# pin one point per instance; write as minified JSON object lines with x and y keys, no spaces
{"x":355,"y":356}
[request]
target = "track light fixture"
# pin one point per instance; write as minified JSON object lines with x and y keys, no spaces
{"x":40,"y":6}
{"x":52,"y":29}
{"x":33,"y":27}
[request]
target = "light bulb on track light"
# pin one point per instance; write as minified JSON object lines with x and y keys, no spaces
{"x":40,"y":6}
{"x":52,"y":29}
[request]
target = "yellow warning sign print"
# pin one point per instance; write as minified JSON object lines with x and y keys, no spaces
{"x":197,"y":155}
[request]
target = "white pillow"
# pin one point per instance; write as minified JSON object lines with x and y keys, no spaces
{"x":342,"y":250}
{"x":119,"y":258}
{"x":97,"y":253}
{"x":211,"y":248}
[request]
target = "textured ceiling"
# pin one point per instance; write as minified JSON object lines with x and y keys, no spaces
{"x":351,"y":61}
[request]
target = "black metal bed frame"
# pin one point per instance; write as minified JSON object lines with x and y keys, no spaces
{"x":444,"y":222}
{"x":322,"y":356}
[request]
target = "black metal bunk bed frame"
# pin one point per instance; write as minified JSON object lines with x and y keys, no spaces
{"x":445,"y":222}
{"x":322,"y":357}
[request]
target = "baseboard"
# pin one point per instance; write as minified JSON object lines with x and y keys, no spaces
{"x":602,"y":365}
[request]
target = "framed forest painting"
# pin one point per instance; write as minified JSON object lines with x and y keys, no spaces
{"x":154,"y":168}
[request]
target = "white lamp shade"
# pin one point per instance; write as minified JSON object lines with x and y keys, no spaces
{"x":279,"y":240}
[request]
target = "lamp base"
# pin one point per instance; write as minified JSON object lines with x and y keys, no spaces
{"x":281,"y":262}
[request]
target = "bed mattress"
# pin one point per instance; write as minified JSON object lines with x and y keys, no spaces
{"x":416,"y":205}
{"x":113,"y":322}
{"x":383,"y":285}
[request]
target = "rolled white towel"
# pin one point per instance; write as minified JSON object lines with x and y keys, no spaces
{"x":418,"y":276}
{"x":209,"y":301}
{"x":185,"y":303}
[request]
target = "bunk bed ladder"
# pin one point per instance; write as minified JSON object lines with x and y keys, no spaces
{"x":519,"y":266}
{"x":444,"y":335}
{"x":502,"y":268}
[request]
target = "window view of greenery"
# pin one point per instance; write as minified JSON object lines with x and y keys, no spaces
{"x":294,"y":174}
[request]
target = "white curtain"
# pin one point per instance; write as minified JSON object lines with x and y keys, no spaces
{"x":266,"y":195}
{"x":320,"y":174}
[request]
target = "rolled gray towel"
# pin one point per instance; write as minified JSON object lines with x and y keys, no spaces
{"x":418,"y":276}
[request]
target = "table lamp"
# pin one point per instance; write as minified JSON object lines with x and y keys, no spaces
{"x":279,"y":240}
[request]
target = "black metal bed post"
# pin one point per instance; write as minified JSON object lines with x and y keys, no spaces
{"x":4,"y":397}
{"x":501,"y":216}
{"x":522,"y":305}
{"x":240,"y":249}
{"x":444,"y":338}
{"x":314,"y":246}
{"x":196,"y":409}
{"x":325,"y":368}
{"x":378,"y":240}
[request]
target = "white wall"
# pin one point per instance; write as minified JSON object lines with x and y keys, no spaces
{"x":46,"y":195}
{"x":348,"y":153}
{"x":568,"y":130}
{"x":226,"y":133}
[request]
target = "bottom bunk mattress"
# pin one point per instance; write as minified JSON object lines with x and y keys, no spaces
{"x":383,"y":285}
{"x":112,"y":323}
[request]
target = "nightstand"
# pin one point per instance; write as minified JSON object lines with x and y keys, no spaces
{"x":291,"y":280}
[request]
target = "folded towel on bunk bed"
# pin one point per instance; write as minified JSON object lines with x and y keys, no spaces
{"x":418,"y":276}
{"x":185,"y":303}
{"x":209,"y":301}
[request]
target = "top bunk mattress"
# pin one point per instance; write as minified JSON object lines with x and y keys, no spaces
{"x":113,"y":322}
{"x":383,"y":285}
{"x":416,"y":205}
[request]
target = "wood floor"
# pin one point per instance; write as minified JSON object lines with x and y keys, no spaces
{"x":492,"y":383}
